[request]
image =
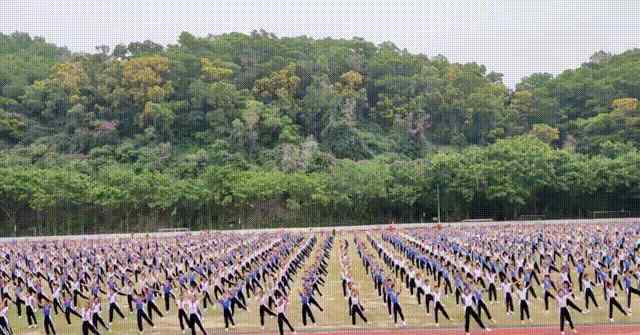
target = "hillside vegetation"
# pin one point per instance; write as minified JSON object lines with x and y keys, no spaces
{"x":251,"y":130}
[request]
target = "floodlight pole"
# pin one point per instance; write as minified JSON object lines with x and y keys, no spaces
{"x":438,"y":191}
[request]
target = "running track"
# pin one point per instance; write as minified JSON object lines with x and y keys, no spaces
{"x":548,"y":330}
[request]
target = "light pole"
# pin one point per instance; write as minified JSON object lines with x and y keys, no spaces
{"x":438,"y":191}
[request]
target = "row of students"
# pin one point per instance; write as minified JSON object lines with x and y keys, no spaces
{"x":350,"y":290}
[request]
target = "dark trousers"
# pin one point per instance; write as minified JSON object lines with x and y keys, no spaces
{"x":565,"y":316}
{"x":87,"y":326}
{"x":4,"y":327}
{"x":167,"y":297}
{"x":547,"y":295}
{"x":427,"y":301}
{"x":630,"y":291}
{"x":68,"y":312}
{"x":264,"y":310}
{"x":97,"y":319}
{"x":419,"y":291}
{"x":524,"y":310}
{"x":357,"y":309}
{"x":151,"y":307}
{"x":439,"y":308}
{"x":114,"y":308}
{"x":57,"y":305}
{"x":493,"y":293}
{"x":141,"y":315}
{"x":588,"y":295}
{"x":31,"y":316}
{"x":397,"y":310}
{"x":48,"y":326}
{"x":307,"y":311}
{"x":509,"y":303}
{"x":282,"y":320}
{"x":205,"y":299}
{"x":614,"y":303}
{"x":228,"y":318}
{"x":195,"y":321}
{"x":483,"y":307}
{"x":182,"y":319}
{"x":468,"y":314}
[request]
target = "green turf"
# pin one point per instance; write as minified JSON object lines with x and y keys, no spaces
{"x":335,"y":315}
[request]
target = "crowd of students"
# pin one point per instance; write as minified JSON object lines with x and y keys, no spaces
{"x":483,"y":269}
{"x":518,"y":260}
{"x":82,"y":279}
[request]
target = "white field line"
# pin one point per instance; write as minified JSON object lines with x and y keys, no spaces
{"x":326,"y":229}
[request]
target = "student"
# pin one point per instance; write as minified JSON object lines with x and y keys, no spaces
{"x":395,"y":306}
{"x":580,"y":269}
{"x":95,"y":314}
{"x":140,"y":313}
{"x":457,"y":279}
{"x":281,"y":310}
{"x":349,"y":287}
{"x":77,"y":292}
{"x":204,"y":288}
{"x":306,"y":310}
{"x":356,"y":307}
{"x":346,"y":278}
{"x":611,"y":296}
{"x":237,"y":298}
{"x":167,"y":290}
{"x":570,"y":294}
{"x":5,"y":328}
{"x":469,"y":312}
{"x":195,"y":317}
{"x":227,"y":313}
{"x":565,"y":316}
{"x":312,"y":299}
{"x":437,"y":305}
{"x":411,"y":279}
{"x":508,"y":296}
{"x":493,"y":293}
{"x":30,"y":310}
{"x":587,"y":285}
{"x":19,"y":301}
{"x":217,"y":288}
{"x":428,"y":294}
{"x":524,"y":305}
{"x":68,"y":309}
{"x":48,"y":321}
{"x":151,"y":306}
{"x":264,"y":306}
{"x":547,"y":285}
{"x":182,"y":315}
{"x":56,"y":297}
{"x":419,"y":283}
{"x":480,"y":304}
{"x":86,"y":321}
{"x":129,"y":292}
{"x":627,"y":283}
{"x":113,"y":306}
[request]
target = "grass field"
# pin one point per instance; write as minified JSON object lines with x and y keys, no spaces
{"x":335,"y":317}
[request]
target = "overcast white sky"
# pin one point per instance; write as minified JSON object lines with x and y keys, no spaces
{"x":515,"y":37}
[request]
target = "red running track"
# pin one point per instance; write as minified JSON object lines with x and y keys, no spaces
{"x":604,"y":329}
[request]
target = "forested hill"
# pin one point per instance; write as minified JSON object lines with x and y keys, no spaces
{"x":257,"y":129}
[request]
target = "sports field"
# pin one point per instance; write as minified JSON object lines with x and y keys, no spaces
{"x":335,"y":318}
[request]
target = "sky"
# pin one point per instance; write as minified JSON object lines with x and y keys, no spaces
{"x":514,"y":37}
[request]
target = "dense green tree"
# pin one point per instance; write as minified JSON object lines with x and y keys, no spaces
{"x":263,"y":130}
